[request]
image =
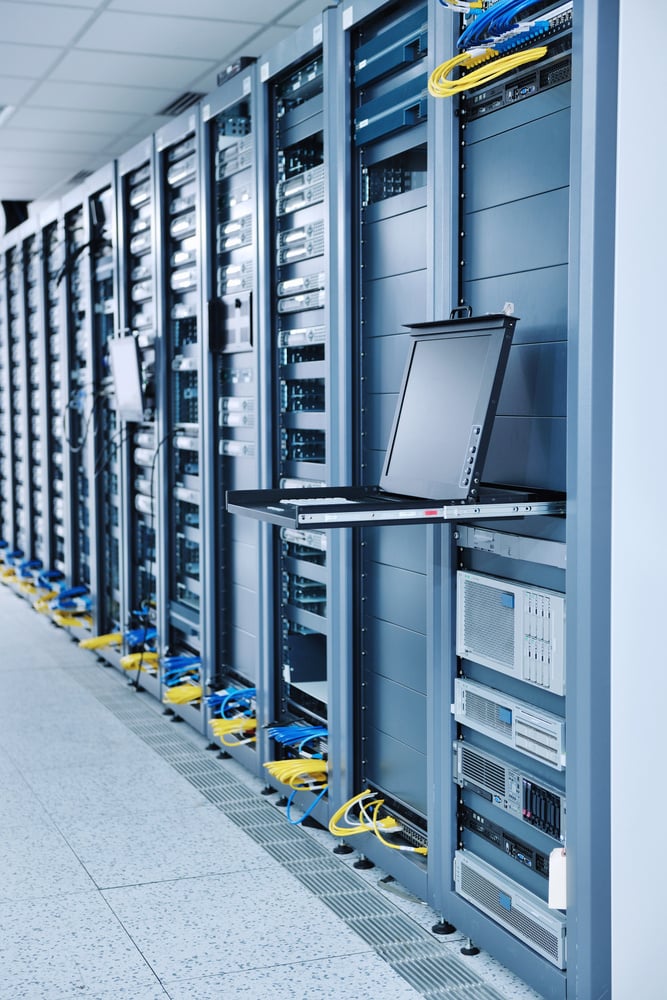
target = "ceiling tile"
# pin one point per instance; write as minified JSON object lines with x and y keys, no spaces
{"x":27,"y":60}
{"x":72,"y":120}
{"x":40,"y":143}
{"x":164,"y":36}
{"x":260,"y":11}
{"x":46,"y":26}
{"x":13,"y":89}
{"x":140,"y":71}
{"x":99,"y":97}
{"x":59,"y":158}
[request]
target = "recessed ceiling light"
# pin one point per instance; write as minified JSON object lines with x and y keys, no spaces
{"x":5,"y":112}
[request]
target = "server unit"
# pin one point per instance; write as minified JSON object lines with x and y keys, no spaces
{"x":138,"y":302}
{"x":105,"y":430}
{"x":178,"y":217}
{"x":80,"y":395}
{"x":236,"y":452}
{"x":54,"y":379}
{"x":388,"y":69}
{"x":19,"y":493}
{"x":306,"y":363}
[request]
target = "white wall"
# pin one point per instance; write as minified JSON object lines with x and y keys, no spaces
{"x":639,"y":515}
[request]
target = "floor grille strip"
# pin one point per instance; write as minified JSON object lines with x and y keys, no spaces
{"x":408,"y":949}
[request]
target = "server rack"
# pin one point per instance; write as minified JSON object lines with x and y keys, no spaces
{"x":38,"y":485}
{"x":6,"y":455}
{"x":19,"y":494}
{"x":236,"y":448}
{"x":137,"y":234}
{"x":54,"y":380}
{"x":182,"y":413}
{"x":307,"y":332}
{"x":386,"y":52}
{"x":105,"y":433}
{"x":81,"y":398}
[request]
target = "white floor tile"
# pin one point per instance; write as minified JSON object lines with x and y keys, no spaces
{"x":38,"y":863}
{"x":145,"y":848}
{"x":223,"y":924}
{"x":353,"y":977}
{"x":68,"y":946}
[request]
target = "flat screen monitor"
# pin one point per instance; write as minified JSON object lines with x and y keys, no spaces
{"x":126,"y":373}
{"x":446,"y":407}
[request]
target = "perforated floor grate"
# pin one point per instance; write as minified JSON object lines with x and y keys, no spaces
{"x":414,"y":954}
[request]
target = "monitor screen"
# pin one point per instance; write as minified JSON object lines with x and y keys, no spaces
{"x":126,"y":372}
{"x":446,"y":407}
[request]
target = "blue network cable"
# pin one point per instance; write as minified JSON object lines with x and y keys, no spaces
{"x":298,"y":736}
{"x":48,"y":578}
{"x":233,"y":700}
{"x":288,"y":810}
{"x":176,"y":667}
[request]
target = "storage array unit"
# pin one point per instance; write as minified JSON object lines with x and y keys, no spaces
{"x":138,"y":293}
{"x":266,"y":252}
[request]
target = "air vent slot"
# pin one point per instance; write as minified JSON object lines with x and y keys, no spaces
{"x":182,"y":103}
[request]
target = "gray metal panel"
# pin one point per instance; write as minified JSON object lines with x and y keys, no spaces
{"x":243,"y":653}
{"x":535,"y":381}
{"x":386,"y":362}
{"x":397,"y":546}
{"x":546,"y":103}
{"x":539,"y":297}
{"x":527,"y":452}
{"x":397,"y":245}
{"x":397,"y":595}
{"x":397,"y":653}
{"x":245,"y":565}
{"x":399,"y":711}
{"x":243,"y":608}
{"x":380,"y":411}
{"x":394,"y":301}
{"x":396,"y":767}
{"x":524,"y":235}
{"x":500,"y":175}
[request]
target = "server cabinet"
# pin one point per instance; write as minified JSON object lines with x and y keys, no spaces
{"x":182,"y":415}
{"x":306,"y":328}
{"x":236,"y":445}
{"x":81,"y":396}
{"x":19,"y":493}
{"x":137,"y":234}
{"x":54,"y":383}
{"x":6,"y":442}
{"x":386,"y":51}
{"x":105,"y":432}
{"x":35,"y":365}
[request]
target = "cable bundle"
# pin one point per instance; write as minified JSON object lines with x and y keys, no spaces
{"x":183,"y":694}
{"x":233,"y":702}
{"x":145,"y":662}
{"x":298,"y":736}
{"x":490,"y":34}
{"x":301,"y":776}
{"x":242,"y":727}
{"x":367,"y":821}
{"x":102,"y":641}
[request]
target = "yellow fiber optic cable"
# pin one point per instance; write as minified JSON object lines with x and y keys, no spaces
{"x":72,"y":621}
{"x":234,"y":727}
{"x":300,"y":773}
{"x":363,"y":824}
{"x":147,"y":661}
{"x":440,"y":86}
{"x":100,"y":641}
{"x":183,"y":694}
{"x":42,"y":603}
{"x":387,"y":843}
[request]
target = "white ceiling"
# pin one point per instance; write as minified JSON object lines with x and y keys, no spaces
{"x":84,"y":79}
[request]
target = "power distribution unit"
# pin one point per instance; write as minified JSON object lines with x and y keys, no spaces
{"x":515,"y":723}
{"x":521,"y":912}
{"x":510,"y":788}
{"x":516,"y":630}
